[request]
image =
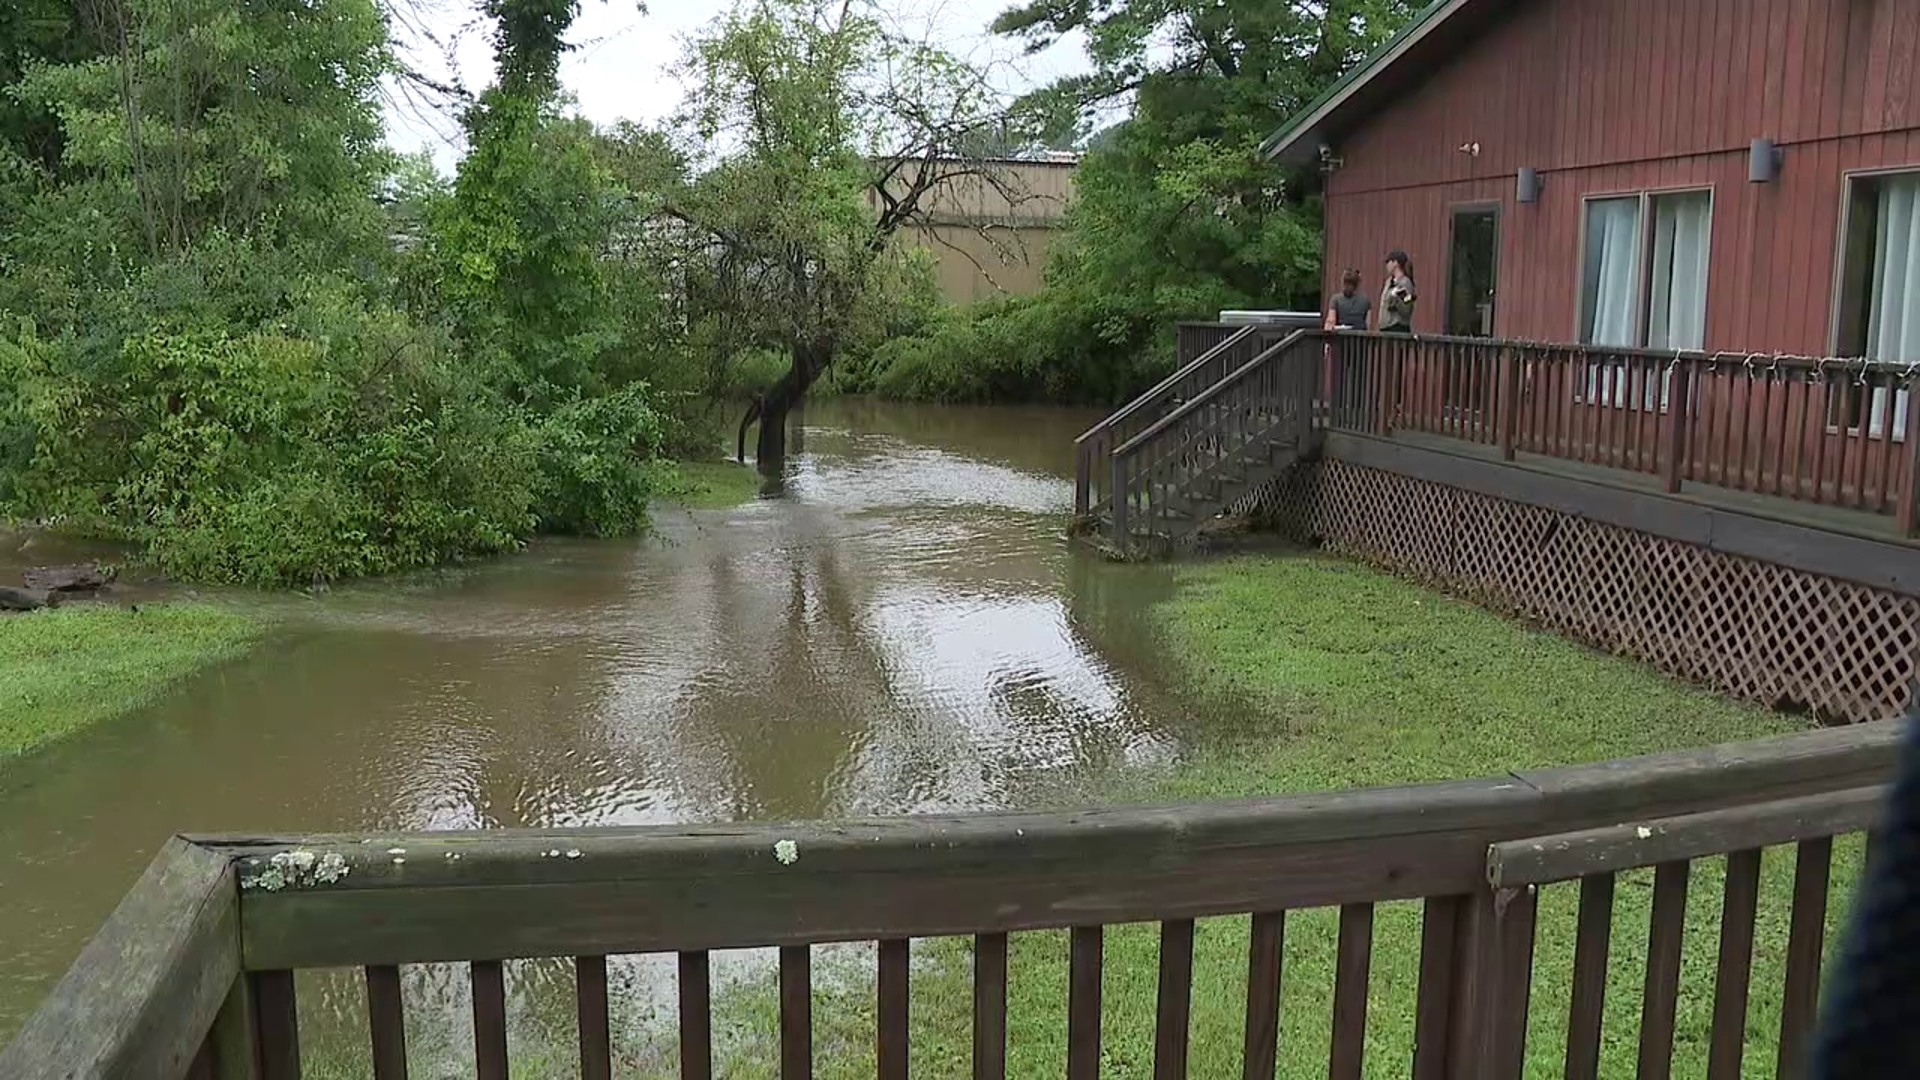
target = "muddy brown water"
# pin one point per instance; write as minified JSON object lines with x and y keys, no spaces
{"x":903,"y":629}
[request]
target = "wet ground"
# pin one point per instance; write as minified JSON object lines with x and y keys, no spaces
{"x":903,"y":629}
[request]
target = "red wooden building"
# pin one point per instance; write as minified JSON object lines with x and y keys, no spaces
{"x":1638,"y":119}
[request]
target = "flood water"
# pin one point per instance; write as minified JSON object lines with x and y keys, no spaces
{"x":904,"y":629}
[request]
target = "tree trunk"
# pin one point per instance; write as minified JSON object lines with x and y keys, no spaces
{"x":785,"y":396}
{"x":772,"y":447}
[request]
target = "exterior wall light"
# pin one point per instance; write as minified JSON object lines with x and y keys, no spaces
{"x":1528,"y":184}
{"x":1763,"y":161}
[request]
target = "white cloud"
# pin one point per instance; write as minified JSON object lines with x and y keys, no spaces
{"x":622,"y":67}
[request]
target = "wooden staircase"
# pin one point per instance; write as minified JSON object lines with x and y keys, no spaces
{"x":1154,"y":477}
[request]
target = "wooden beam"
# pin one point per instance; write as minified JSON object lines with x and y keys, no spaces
{"x":1880,"y":563}
{"x":140,"y":999}
{"x":1611,"y":848}
{"x":510,"y":893}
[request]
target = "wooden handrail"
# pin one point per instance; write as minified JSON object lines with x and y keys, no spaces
{"x":142,"y":998}
{"x":1789,"y":427}
{"x":159,"y":992}
{"x":1543,"y":859}
{"x":1200,"y":400}
{"x":1168,"y":383}
{"x":1759,"y":360}
{"x":652,"y":888}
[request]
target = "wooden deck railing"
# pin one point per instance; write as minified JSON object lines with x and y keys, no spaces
{"x":192,"y":976}
{"x":1823,"y":432}
{"x":1264,"y":403}
{"x":1209,"y":352}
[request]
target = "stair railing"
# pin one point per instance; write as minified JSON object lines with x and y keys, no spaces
{"x":1092,"y":448}
{"x":1265,"y":402}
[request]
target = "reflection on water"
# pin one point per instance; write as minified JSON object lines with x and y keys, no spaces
{"x":904,"y":629}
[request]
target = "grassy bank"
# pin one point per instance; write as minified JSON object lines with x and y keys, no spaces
{"x":711,"y":485}
{"x":1337,"y":675}
{"x":64,"y":669}
{"x":1345,"y":676}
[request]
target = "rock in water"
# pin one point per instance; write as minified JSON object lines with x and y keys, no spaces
{"x":82,"y":577}
{"x":17,"y":599}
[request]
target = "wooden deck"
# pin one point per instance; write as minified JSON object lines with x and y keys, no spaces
{"x":1850,"y":545}
{"x":193,"y":974}
{"x":1835,"y":519}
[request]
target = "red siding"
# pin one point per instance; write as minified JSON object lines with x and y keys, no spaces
{"x":1625,"y":95}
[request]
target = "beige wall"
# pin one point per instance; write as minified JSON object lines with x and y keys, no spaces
{"x":989,"y":236}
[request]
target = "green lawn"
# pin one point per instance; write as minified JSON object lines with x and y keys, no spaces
{"x":710,"y":485}
{"x":66,"y":668}
{"x":1344,"y":676}
{"x":1338,"y":675}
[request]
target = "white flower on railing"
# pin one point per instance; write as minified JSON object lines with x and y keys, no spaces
{"x":787,"y":852}
{"x":297,"y":868}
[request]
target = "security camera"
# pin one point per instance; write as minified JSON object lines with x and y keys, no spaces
{"x":1329,"y":161}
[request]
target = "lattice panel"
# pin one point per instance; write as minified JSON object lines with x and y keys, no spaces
{"x":1782,"y":637}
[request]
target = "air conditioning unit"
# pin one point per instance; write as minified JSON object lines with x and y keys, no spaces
{"x":1270,"y":318}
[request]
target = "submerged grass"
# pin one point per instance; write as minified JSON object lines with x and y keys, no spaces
{"x":711,"y":485}
{"x":65,"y":669}
{"x":1346,"y":676}
{"x":1340,"y":676}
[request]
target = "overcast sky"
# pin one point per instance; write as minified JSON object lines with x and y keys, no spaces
{"x":622,"y":67}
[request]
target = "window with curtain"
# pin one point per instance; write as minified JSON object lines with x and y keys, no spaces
{"x":1609,"y":297}
{"x":1677,"y":277}
{"x":1879,"y":301}
{"x":1664,"y":307}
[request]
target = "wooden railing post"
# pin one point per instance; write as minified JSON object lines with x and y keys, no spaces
{"x":235,"y":1038}
{"x":1306,"y":386}
{"x":1082,"y":480}
{"x":1679,"y":408}
{"x":1909,"y":508}
{"x":1387,"y":384}
{"x":1117,"y":495}
{"x":1508,"y":402}
{"x":1485,"y":1034}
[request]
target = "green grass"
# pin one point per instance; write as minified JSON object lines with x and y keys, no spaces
{"x":1345,"y":676}
{"x":1339,"y":676}
{"x":65,"y":669}
{"x":711,"y":485}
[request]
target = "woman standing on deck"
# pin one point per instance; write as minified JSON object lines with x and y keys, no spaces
{"x":1398,"y":296}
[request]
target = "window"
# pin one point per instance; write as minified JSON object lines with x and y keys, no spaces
{"x":1879,"y":301}
{"x":1643,"y":280}
{"x":1610,"y":294}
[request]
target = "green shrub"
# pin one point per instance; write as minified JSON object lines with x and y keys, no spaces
{"x":1037,"y":348}
{"x":269,"y":458}
{"x":597,"y":464}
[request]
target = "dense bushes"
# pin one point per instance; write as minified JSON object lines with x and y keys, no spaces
{"x":236,"y":332}
{"x":270,"y":458}
{"x":1036,"y":348}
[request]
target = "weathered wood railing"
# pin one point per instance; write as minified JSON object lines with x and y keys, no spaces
{"x":1263,"y":404}
{"x":1209,"y":352}
{"x":1827,"y":432}
{"x":192,"y":976}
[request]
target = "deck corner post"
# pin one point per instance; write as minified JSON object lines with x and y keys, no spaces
{"x":1117,"y":493}
{"x":1082,"y":479}
{"x":1493,"y":955}
{"x":235,"y":1035}
{"x":1308,"y":392}
{"x":1679,"y":407}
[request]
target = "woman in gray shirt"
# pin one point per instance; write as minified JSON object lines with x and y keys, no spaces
{"x":1398,"y":296}
{"x":1350,"y":307}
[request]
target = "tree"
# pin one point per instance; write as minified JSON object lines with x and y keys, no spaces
{"x":258,"y":117}
{"x":816,"y":138}
{"x":1176,"y":215}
